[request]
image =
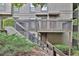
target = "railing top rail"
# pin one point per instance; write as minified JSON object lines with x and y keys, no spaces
{"x":25,"y":20}
{"x":20,"y":26}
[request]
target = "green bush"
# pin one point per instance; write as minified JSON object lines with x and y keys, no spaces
{"x":11,"y":44}
{"x":75,"y":52}
{"x":62,"y":47}
{"x":76,"y":22}
{"x":8,"y":22}
{"x":75,"y":35}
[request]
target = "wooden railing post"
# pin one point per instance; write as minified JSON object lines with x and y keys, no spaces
{"x":54,"y":52}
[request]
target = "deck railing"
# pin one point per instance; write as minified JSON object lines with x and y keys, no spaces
{"x":55,"y":50}
{"x":48,"y":45}
{"x":48,"y":25}
{"x":20,"y":28}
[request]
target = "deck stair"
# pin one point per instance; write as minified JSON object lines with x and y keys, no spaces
{"x":48,"y":48}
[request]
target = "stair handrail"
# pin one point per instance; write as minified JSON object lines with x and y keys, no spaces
{"x":55,"y":50}
{"x":48,"y":43}
{"x":20,"y":25}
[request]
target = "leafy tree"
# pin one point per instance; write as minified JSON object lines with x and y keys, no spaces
{"x":18,"y":5}
{"x":37,"y":4}
{"x":8,"y":22}
{"x":76,"y":22}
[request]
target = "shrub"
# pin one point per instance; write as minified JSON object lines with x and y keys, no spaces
{"x":76,"y":52}
{"x":64,"y":48}
{"x":8,"y":22}
{"x":11,"y":44}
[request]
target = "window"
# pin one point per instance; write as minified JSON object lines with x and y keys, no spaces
{"x":41,"y":16}
{"x":54,"y":15}
{"x":32,"y":7}
{"x":2,"y":6}
{"x":44,"y":8}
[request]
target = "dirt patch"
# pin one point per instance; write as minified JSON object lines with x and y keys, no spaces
{"x":34,"y":52}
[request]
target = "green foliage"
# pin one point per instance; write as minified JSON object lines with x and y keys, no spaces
{"x":11,"y":44}
{"x":8,"y":22}
{"x":62,"y":47}
{"x":76,"y":22}
{"x":77,"y":8}
{"x":75,"y":52}
{"x":42,"y":4}
{"x":37,"y":4}
{"x":18,"y":5}
{"x":75,"y":35}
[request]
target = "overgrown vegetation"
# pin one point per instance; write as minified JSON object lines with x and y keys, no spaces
{"x":39,"y":4}
{"x":75,"y":53}
{"x":64,"y":48}
{"x":75,"y":50}
{"x":75,"y":34}
{"x":8,"y":22}
{"x":12,"y":44}
{"x":18,"y":5}
{"x":75,"y":22}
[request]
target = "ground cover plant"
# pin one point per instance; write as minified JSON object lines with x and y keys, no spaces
{"x":64,"y":48}
{"x":13,"y":44}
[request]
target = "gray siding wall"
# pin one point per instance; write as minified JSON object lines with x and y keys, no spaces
{"x":64,"y":9}
{"x":6,"y":9}
{"x":67,"y":38}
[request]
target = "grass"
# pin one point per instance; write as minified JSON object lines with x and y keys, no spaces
{"x":11,"y":44}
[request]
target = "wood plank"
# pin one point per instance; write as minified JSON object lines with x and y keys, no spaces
{"x":55,"y":49}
